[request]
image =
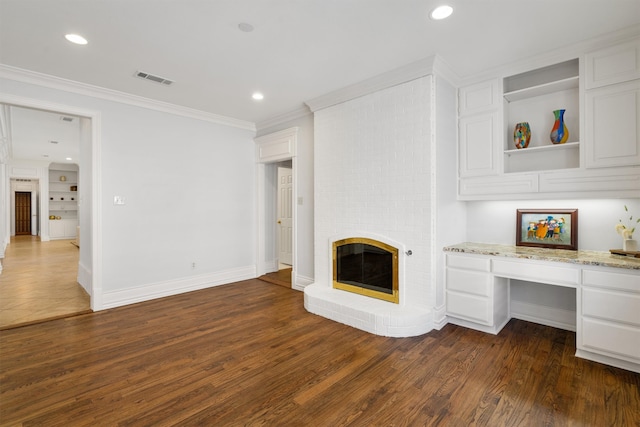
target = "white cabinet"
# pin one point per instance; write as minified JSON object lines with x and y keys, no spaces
{"x":62,"y":228}
{"x":612,"y":106}
{"x":478,"y":153}
{"x":63,"y":201}
{"x":479,"y":129}
{"x":600,"y":93}
{"x":610,"y":315}
{"x":615,"y":64}
{"x":474,"y":298}
{"x":613,"y":125}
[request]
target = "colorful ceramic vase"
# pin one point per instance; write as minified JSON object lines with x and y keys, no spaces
{"x":559,"y":132}
{"x":522,"y":135}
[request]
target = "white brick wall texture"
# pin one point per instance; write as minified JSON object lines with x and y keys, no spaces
{"x":372,"y":175}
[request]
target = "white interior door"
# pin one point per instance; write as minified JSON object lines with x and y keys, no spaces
{"x":285,"y":215}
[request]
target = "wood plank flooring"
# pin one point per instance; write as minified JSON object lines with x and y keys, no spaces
{"x":39,"y":282}
{"x":248,"y":354}
{"x":281,"y":277}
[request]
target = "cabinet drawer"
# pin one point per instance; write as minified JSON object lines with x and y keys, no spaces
{"x":469,"y":263}
{"x":605,"y":279}
{"x":469,"y":282}
{"x":616,"y":306}
{"x":537,"y":272}
{"x":469,"y":307}
{"x":611,"y":338}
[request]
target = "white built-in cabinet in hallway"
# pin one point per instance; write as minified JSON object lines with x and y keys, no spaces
{"x":63,"y":201}
{"x":600,"y":91}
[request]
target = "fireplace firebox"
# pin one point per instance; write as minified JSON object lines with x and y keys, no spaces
{"x":367,"y":267}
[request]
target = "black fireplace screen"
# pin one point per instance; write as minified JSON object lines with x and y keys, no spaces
{"x":367,"y":267}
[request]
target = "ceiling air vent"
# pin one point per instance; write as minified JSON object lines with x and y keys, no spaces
{"x":153,"y":78}
{"x":66,"y":119}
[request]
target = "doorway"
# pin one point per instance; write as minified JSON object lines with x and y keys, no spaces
{"x":274,"y":150}
{"x":88,"y":268}
{"x":23,"y":213}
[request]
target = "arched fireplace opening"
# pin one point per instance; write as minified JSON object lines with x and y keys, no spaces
{"x":366,"y":267}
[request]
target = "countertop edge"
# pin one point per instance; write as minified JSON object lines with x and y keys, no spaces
{"x":593,"y":258}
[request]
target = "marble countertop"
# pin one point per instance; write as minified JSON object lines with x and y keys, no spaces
{"x":604,"y":259}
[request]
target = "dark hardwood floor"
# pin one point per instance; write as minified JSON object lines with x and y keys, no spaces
{"x":248,"y":354}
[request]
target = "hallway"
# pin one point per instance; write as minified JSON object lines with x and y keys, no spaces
{"x":39,"y":282}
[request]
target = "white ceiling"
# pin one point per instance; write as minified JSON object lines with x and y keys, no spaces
{"x":43,"y":135}
{"x":299,"y":50}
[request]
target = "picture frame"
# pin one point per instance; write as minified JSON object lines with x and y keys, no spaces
{"x":547,"y":228}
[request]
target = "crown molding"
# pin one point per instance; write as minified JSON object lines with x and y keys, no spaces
{"x":283,"y":118}
{"x":563,"y":53}
{"x":382,"y":81}
{"x":52,"y":82}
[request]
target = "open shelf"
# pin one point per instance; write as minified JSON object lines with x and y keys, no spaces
{"x":551,"y":147}
{"x":543,"y":89}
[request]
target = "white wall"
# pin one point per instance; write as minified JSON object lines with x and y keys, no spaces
{"x":495,"y":222}
{"x":189,"y":191}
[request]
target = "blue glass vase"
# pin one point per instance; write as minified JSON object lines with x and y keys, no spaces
{"x":559,"y":131}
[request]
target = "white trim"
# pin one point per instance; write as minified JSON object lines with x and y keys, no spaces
{"x":300,"y":282}
{"x":96,"y":183}
{"x":607,"y":360}
{"x":554,"y":56}
{"x":440,"y":317}
{"x":283,"y":118}
{"x":391,"y":78}
{"x":174,"y":287}
{"x":84,"y":278}
{"x":32,"y":77}
{"x":271,"y":148}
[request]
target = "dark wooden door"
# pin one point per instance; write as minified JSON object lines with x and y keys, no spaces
{"x":23,"y":212}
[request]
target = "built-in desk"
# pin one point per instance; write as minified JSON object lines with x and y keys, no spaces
{"x":607,"y":289}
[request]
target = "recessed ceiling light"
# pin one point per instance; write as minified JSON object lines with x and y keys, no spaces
{"x":69,"y":158}
{"x":75,"y":38}
{"x":245,"y":28}
{"x":441,"y":12}
{"x":257,"y":96}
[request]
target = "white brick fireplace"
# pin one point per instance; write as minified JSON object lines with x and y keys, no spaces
{"x":378,"y":175}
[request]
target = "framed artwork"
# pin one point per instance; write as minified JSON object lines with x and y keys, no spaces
{"x":547,"y":228}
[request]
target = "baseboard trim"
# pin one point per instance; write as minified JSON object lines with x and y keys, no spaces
{"x":301,"y":282}
{"x":85,"y":278}
{"x":174,"y":287}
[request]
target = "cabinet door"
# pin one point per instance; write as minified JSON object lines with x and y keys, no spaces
{"x":613,"y":125}
{"x":70,"y":226}
{"x":480,"y":145}
{"x":479,"y":97}
{"x":56,"y":229}
{"x":615,"y":64}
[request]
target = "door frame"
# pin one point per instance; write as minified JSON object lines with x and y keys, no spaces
{"x":32,"y":204}
{"x":275,"y":148}
{"x":95,"y":273}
